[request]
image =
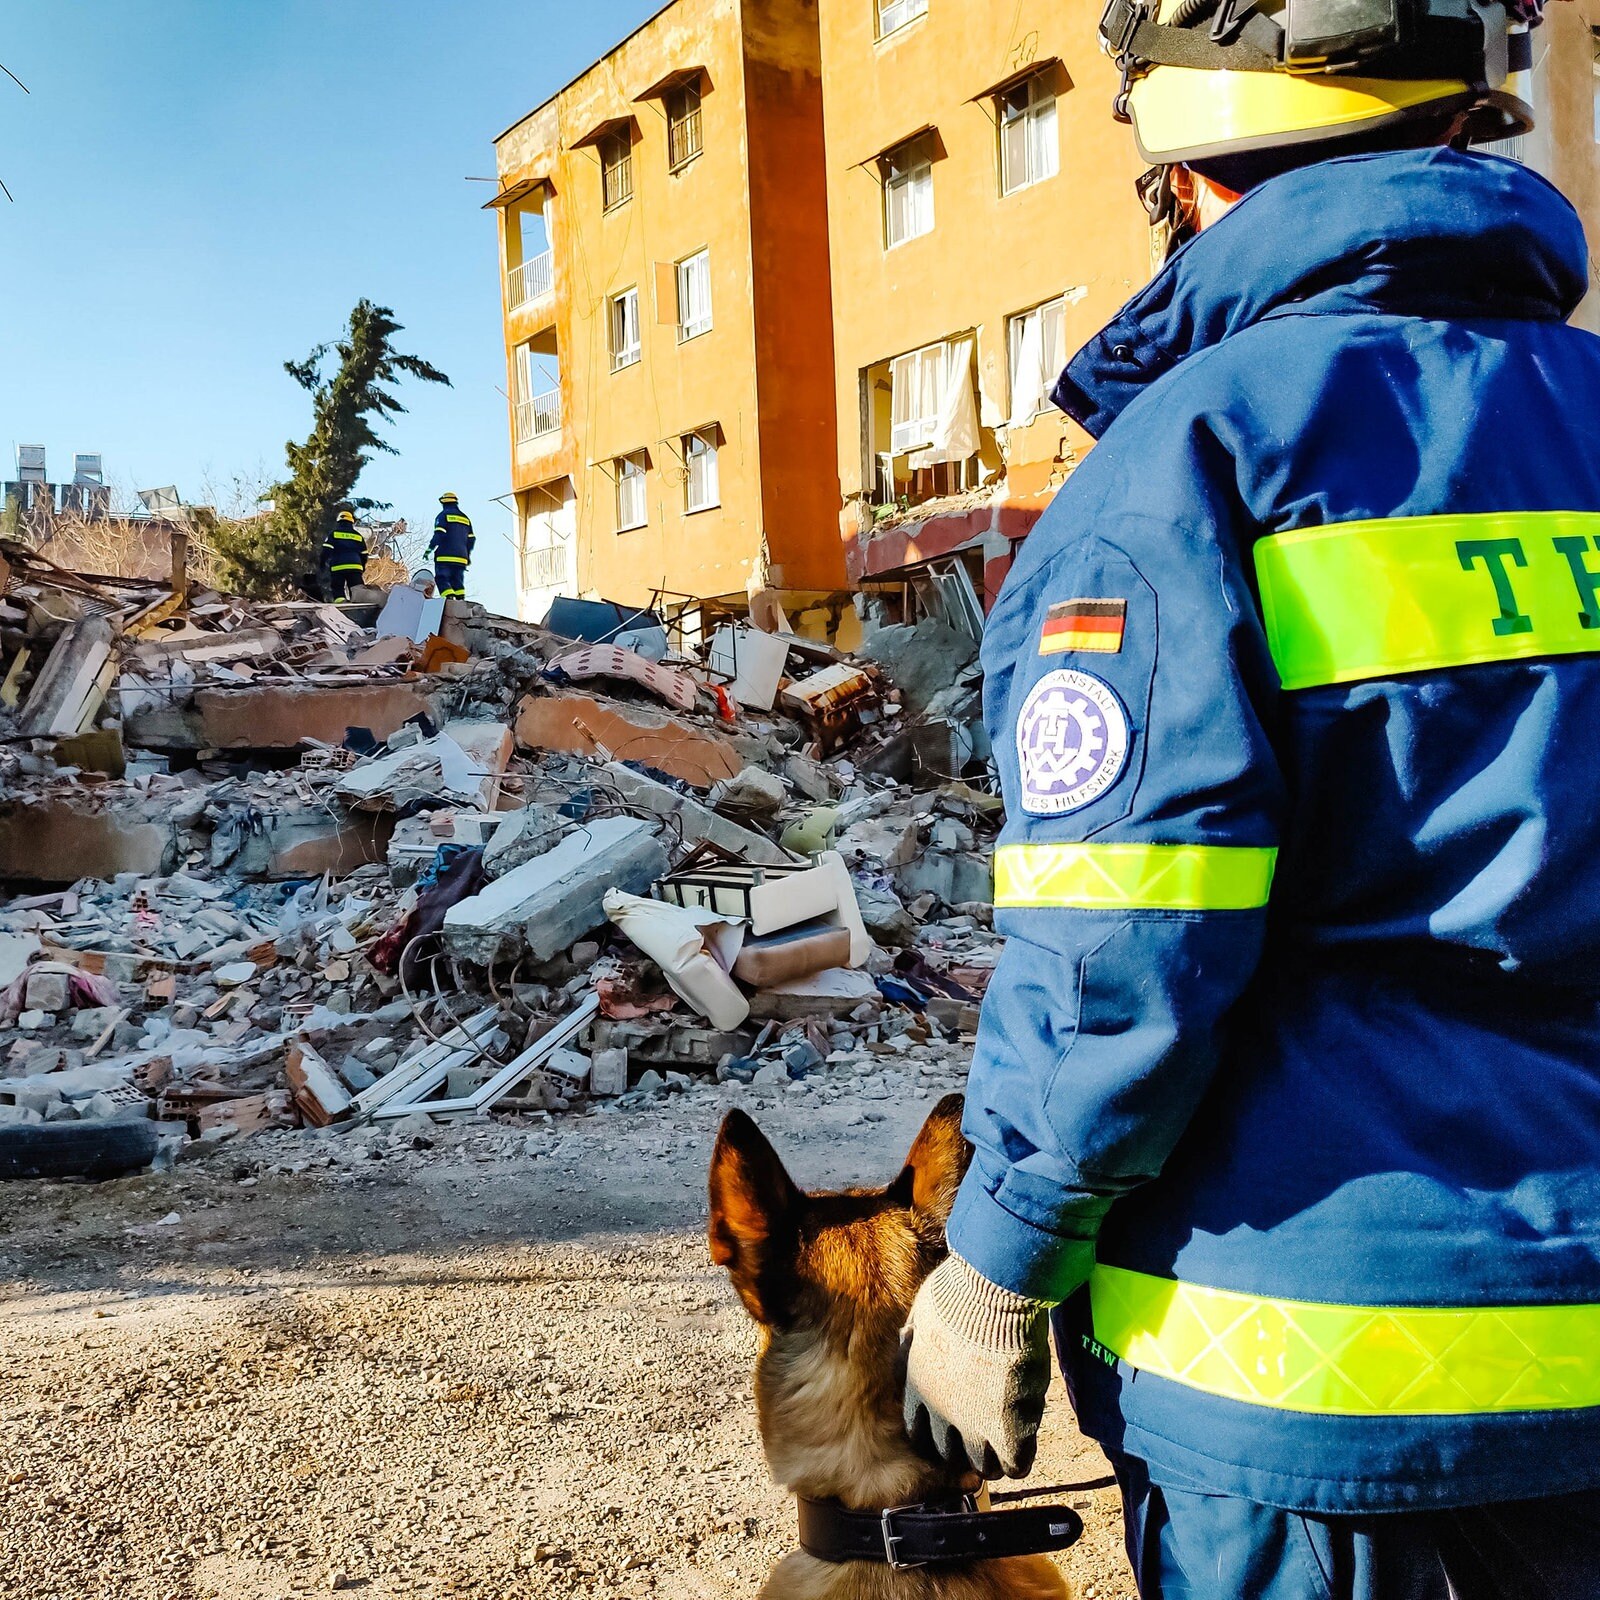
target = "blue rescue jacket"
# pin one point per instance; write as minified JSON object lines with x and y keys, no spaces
{"x":453,"y":537}
{"x":344,"y":548}
{"x":1288,"y":1082}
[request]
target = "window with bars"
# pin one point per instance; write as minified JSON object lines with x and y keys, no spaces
{"x":701,"y":489}
{"x":616,"y":169}
{"x":694,"y":295}
{"x":1029,"y":148}
{"x":916,"y":382}
{"x":683,"y":124}
{"x":895,"y":14}
{"x":624,"y":329}
{"x":1037,"y":356}
{"x":630,"y":471}
{"x":908,"y":191}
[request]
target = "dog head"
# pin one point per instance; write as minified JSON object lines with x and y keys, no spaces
{"x":830,"y":1278}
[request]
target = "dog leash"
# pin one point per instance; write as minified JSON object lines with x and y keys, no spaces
{"x":936,"y":1532}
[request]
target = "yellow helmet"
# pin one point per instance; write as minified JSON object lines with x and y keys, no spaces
{"x":447,"y":499}
{"x":1209,"y":79}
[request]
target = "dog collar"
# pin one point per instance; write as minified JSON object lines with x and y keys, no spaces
{"x":933,"y":1532}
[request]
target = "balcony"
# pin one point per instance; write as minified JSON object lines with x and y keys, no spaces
{"x":531,"y":281}
{"x":539,"y":416}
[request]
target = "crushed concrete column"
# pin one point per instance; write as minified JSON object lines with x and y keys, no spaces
{"x":546,"y":905}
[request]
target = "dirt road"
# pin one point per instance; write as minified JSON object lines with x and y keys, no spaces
{"x":502,"y":1366}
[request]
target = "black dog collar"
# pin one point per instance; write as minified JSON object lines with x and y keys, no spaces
{"x":901,"y":1537}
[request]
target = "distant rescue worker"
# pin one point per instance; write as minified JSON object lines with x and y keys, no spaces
{"x":344,"y":553}
{"x":1285,"y":1105}
{"x":451,"y":547}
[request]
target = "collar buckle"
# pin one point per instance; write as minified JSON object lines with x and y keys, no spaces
{"x":892,"y":1540}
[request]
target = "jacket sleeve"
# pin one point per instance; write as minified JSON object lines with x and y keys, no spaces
{"x":472,"y":538}
{"x":1127,"y":690}
{"x":433,"y":541}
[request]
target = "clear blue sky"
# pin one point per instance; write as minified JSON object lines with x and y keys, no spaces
{"x":205,"y":187}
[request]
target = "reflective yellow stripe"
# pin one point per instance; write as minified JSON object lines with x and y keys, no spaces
{"x":1357,"y":600}
{"x":1357,"y":1361}
{"x":1140,"y":877}
{"x":462,"y":560}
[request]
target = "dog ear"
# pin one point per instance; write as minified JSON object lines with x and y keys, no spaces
{"x":755,"y":1211}
{"x":937,"y":1162}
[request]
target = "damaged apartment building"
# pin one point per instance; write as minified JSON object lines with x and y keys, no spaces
{"x":786,"y":289}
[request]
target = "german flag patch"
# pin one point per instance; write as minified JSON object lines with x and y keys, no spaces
{"x":1093,"y":625}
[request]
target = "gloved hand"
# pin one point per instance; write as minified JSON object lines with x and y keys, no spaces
{"x":977,"y":1368}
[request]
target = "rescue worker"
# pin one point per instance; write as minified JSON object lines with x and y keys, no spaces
{"x":451,"y":548}
{"x":344,"y":553}
{"x":1287,"y":1089}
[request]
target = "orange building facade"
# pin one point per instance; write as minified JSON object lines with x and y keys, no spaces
{"x":664,"y":271}
{"x":787,"y":284}
{"x":983,"y":225}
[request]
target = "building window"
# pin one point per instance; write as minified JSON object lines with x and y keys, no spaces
{"x":683,"y":124}
{"x":630,"y":472}
{"x":1029,"y":149}
{"x":624,"y":329}
{"x":895,"y":14}
{"x":701,"y":488}
{"x":1036,"y":358}
{"x":694,"y":295}
{"x":908,"y":191}
{"x":1594,"y":37}
{"x":916,"y":381}
{"x":616,"y":169}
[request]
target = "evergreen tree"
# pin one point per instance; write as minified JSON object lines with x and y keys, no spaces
{"x":265,"y":555}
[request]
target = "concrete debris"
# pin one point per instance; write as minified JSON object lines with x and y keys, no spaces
{"x":547,"y":904}
{"x":612,"y":661}
{"x":277,"y":866}
{"x":696,"y":823}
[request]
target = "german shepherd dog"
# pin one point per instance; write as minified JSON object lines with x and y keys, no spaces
{"x":829,"y":1278}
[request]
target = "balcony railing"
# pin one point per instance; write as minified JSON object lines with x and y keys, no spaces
{"x":530,"y":281}
{"x":538,"y":416}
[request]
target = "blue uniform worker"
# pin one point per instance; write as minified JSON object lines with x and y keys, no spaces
{"x":1287,"y":1089}
{"x":451,"y":548}
{"x":344,"y":553}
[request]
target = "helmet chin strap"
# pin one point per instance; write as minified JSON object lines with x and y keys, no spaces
{"x":1172,"y":223}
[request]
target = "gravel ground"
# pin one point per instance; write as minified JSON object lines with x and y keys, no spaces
{"x":503,"y":1366}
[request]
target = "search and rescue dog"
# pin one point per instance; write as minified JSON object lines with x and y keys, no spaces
{"x":830,"y":1278}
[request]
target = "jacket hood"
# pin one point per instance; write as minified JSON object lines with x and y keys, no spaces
{"x":1429,"y":233}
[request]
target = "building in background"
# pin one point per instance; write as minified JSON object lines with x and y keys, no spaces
{"x":983,"y":225}
{"x":30,"y":496}
{"x":1565,"y":145}
{"x":668,"y":318}
{"x":787,"y":285}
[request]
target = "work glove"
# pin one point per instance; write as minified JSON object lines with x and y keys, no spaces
{"x":977,"y":1368}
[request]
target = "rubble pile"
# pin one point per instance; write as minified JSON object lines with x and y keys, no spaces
{"x":268,"y":867}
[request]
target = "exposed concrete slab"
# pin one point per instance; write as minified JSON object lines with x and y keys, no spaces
{"x":609,"y":730}
{"x":463,"y":764}
{"x":305,"y":844}
{"x":697,"y":821}
{"x":67,"y":681}
{"x":58,"y":843}
{"x":277,"y":716}
{"x":547,"y":904}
